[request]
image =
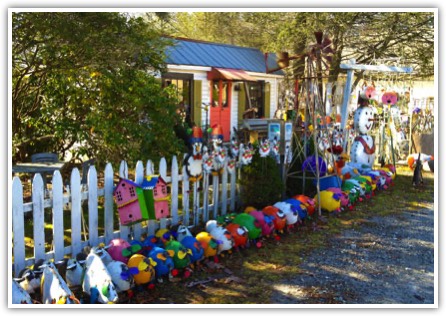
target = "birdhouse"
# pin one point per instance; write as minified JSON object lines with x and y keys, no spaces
{"x":157,"y":198}
{"x":131,"y":202}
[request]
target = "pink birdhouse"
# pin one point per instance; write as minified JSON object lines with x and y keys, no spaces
{"x":160,"y":197}
{"x":131,"y":203}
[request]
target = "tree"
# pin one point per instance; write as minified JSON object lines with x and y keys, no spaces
{"x":83,"y":81}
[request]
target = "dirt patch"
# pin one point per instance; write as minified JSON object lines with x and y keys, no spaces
{"x":388,"y":260}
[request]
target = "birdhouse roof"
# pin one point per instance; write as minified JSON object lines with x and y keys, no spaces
{"x":149,"y":184}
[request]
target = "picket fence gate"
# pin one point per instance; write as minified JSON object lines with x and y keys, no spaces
{"x":202,"y":209}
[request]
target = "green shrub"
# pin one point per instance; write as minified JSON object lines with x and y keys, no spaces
{"x":261,"y":182}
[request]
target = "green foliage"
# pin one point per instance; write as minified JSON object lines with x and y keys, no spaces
{"x":260,"y":181}
{"x":84,"y":82}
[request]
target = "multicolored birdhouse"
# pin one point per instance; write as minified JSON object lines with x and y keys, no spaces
{"x":130,"y":199}
{"x":161,"y":199}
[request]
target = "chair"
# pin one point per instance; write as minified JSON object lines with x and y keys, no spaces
{"x":44,"y":157}
{"x":85,"y":167}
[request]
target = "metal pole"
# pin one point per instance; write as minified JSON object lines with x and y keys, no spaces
{"x":345,"y":101}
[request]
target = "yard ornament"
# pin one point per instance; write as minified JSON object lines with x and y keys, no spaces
{"x":221,"y":234}
{"x":345,"y":201}
{"x":190,"y":242}
{"x":239,"y":235}
{"x":265,"y":148}
{"x":122,"y":276}
{"x":330,"y":201}
{"x":54,"y":289}
{"x":116,"y":249}
{"x":412,"y":158}
{"x":250,"y":223}
{"x":97,"y":281}
{"x":29,"y":278}
{"x":209,"y":244}
{"x":219,"y":152}
{"x":307,"y":201}
{"x":19,"y":295}
{"x":290,"y":212}
{"x":266,"y":222}
{"x":363,"y":147}
{"x":309,"y":165}
{"x":194,"y":160}
{"x":279,"y":218}
{"x":74,"y":270}
{"x":181,"y":255}
{"x":146,"y":271}
{"x":300,"y":208}
{"x":164,"y":263}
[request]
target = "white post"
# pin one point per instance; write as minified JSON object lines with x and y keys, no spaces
{"x":38,"y":217}
{"x":18,"y":226}
{"x":76,"y":212}
{"x":108,"y":203}
{"x":174,"y":192}
{"x":93,"y":207}
{"x":58,"y":228}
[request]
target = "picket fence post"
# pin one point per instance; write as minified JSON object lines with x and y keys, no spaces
{"x":205,"y":196}
{"x":108,"y":203}
{"x":58,"y":227}
{"x":185,"y":191}
{"x":38,"y":217}
{"x":18,"y":226}
{"x":93,"y":239}
{"x":76,"y":212}
{"x":224,"y":188}
{"x":174,"y":191}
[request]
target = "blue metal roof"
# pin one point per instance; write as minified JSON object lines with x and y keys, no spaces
{"x":196,"y":53}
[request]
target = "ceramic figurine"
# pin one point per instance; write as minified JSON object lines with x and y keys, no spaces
{"x":194,"y":160}
{"x":363,"y":147}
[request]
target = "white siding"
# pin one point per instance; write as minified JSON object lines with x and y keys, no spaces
{"x":234,"y":109}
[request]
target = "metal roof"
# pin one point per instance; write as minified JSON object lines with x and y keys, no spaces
{"x":197,"y":53}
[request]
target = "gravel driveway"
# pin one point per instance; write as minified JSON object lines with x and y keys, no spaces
{"x":387,"y":260}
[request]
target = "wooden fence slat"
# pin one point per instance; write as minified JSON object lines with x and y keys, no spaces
{"x":58,"y":216}
{"x":93,"y":207}
{"x":108,"y":203}
{"x":215,"y":188}
{"x":163,"y":168}
{"x":18,"y":226}
{"x":38,"y":217}
{"x":174,"y":191}
{"x":205,"y":197}
{"x":185,"y":191}
{"x":233,"y":189}
{"x":149,"y":168}
{"x":224,"y":188}
{"x":76,"y":212}
{"x":195,"y":204}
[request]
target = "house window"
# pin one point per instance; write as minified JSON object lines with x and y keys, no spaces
{"x":132,"y":191}
{"x":183,"y":86}
{"x":163,"y":189}
{"x":256,"y":95}
{"x":220,"y":96}
{"x":119,"y":196}
{"x":155,"y":191}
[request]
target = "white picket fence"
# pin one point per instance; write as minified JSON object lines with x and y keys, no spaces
{"x":203,"y":207}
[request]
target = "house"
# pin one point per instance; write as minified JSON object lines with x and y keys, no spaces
{"x":233,"y":80}
{"x":131,"y":202}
